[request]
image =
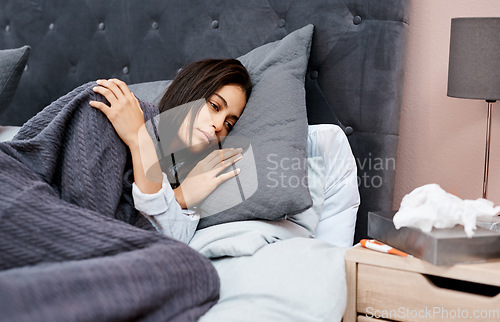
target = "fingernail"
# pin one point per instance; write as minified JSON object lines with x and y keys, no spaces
{"x":95,"y":88}
{"x":99,"y":81}
{"x":240,"y":149}
{"x":238,"y":170}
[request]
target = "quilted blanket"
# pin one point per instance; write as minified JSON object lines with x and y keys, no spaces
{"x":70,"y":246}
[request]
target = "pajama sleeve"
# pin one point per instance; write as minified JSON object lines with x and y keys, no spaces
{"x":164,"y":213}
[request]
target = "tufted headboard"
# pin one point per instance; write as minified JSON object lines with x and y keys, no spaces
{"x":355,"y":74}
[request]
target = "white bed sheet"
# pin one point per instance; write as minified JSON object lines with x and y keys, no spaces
{"x":297,"y":279}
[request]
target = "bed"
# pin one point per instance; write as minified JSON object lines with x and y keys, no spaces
{"x":353,"y":78}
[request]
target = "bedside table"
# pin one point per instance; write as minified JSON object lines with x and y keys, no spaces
{"x":390,"y":287}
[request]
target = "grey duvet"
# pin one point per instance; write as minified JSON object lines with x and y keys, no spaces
{"x":70,"y":245}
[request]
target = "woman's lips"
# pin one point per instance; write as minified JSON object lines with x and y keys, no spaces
{"x":205,"y":136}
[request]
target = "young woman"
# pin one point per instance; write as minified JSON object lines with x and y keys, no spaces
{"x":199,"y":108}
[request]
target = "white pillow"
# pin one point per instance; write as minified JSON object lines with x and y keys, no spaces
{"x":341,"y":198}
{"x":8,"y":132}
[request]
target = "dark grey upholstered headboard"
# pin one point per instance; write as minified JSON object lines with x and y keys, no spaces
{"x":355,"y":73}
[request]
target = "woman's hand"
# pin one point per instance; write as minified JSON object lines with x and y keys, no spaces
{"x":127,"y":117}
{"x":124,"y":111}
{"x":203,"y":179}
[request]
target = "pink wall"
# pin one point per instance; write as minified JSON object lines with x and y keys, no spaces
{"x":442,"y":139}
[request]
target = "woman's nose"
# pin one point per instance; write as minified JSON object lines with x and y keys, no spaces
{"x":217,"y":123}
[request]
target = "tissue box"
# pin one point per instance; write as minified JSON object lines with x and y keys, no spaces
{"x":491,"y":223}
{"x":439,"y":247}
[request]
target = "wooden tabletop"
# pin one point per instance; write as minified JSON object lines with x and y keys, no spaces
{"x":484,"y":272}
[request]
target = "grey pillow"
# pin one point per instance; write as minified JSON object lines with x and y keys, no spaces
{"x":273,"y":132}
{"x":12,"y":62}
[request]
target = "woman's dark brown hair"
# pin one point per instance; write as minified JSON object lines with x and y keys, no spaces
{"x":202,"y":79}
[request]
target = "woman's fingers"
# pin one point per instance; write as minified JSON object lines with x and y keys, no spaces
{"x":122,"y":109}
{"x":113,"y":90}
{"x":116,"y":92}
{"x":223,"y":165}
{"x":122,"y":86}
{"x":123,"y":90}
{"x":228,"y":175}
{"x":109,"y":92}
{"x":227,"y":162}
{"x":112,"y":86}
{"x":219,"y":156}
{"x":100,"y":106}
{"x":203,"y":179}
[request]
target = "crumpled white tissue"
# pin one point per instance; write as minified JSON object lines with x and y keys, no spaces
{"x":430,"y":206}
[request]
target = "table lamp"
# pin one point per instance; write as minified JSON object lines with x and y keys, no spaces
{"x":474,"y":67}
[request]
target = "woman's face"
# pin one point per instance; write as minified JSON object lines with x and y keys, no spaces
{"x":215,"y":119}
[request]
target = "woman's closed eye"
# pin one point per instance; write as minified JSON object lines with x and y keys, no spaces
{"x":227,"y":124}
{"x":214,"y":106}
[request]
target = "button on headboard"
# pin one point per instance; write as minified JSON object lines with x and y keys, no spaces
{"x":355,"y":73}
